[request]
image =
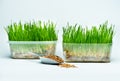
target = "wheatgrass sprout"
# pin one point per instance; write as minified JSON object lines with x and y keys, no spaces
{"x":32,"y":31}
{"x":78,"y":34}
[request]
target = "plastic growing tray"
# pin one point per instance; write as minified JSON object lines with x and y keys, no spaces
{"x":87,"y":52}
{"x":31,"y":49}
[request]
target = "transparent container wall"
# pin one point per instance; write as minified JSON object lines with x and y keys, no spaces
{"x":87,"y":52}
{"x":21,"y":49}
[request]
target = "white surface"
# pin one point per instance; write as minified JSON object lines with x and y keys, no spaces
{"x":85,"y":12}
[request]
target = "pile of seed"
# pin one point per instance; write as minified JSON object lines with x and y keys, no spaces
{"x":67,"y":65}
{"x":60,"y":61}
{"x":55,"y":57}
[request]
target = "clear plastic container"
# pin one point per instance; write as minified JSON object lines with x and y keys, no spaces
{"x":31,"y":49}
{"x":87,"y":52}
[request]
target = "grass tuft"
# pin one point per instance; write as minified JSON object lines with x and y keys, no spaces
{"x":78,"y":34}
{"x":32,"y":31}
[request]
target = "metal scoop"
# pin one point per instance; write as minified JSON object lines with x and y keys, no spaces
{"x":45,"y":60}
{"x":48,"y":61}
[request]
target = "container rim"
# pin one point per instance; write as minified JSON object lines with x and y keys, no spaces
{"x":31,"y":42}
{"x":87,"y":43}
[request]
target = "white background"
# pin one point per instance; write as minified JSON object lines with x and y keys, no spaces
{"x":84,"y":12}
